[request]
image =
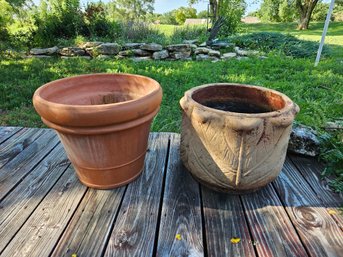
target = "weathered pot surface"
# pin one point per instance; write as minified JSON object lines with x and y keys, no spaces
{"x":234,"y":137}
{"x":103,"y":121}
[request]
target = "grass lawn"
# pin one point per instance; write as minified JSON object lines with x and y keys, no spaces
{"x":318,"y":91}
{"x":334,"y":35}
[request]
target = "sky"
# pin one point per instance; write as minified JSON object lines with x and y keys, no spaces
{"x":162,"y":6}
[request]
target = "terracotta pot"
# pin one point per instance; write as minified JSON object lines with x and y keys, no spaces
{"x":234,"y":137}
{"x":103,"y":121}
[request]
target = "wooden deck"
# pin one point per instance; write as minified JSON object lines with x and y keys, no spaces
{"x":45,"y":211}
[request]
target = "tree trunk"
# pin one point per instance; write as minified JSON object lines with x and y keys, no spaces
{"x":215,"y":30}
{"x":305,"y":10}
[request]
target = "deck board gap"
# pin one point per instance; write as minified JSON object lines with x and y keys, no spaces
{"x":7,"y":138}
{"x":67,"y":224}
{"x":249,"y":226}
{"x":33,"y":211}
{"x":289,"y":217}
{"x":28,"y":173}
{"x":107,"y":240}
{"x":204,"y":236}
{"x":167,"y":160}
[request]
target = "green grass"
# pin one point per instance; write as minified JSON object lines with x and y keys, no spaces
{"x":316,"y":90}
{"x":314,"y":33}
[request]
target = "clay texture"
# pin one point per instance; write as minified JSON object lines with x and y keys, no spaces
{"x":103,"y":121}
{"x":232,"y":151}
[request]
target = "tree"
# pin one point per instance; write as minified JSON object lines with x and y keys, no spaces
{"x":225,"y":16}
{"x":133,"y":10}
{"x":202,"y":14}
{"x":305,"y":9}
{"x":184,"y":13}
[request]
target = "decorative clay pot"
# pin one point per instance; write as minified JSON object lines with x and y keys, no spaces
{"x":103,"y":121}
{"x":234,"y":137}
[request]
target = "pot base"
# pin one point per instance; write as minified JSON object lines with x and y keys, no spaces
{"x":110,"y":178}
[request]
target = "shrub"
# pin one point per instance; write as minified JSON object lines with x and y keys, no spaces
{"x":271,"y":41}
{"x":189,"y":32}
{"x":140,"y":32}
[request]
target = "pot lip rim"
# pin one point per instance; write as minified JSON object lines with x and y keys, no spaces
{"x":38,"y":98}
{"x":289,"y":104}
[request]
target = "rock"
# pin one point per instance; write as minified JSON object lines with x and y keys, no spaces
{"x":202,"y":50}
{"x":204,"y":44}
{"x":334,"y":125}
{"x":242,"y":58}
{"x":262,"y":57}
{"x":151,"y":47}
{"x":179,"y":48}
{"x":107,"y":49}
{"x":91,"y":44}
{"x":129,"y":46}
{"x":39,"y":56}
{"x":134,"y":52}
{"x":304,"y":141}
{"x":44,"y":51}
{"x":214,"y":53}
{"x":191,"y":41}
{"x":140,"y":59}
{"x":229,"y":56}
{"x":72,"y":51}
{"x":104,"y":57}
{"x":77,"y":56}
{"x":161,"y":55}
{"x":193,"y":47}
{"x":205,"y":57}
{"x":243,"y":52}
{"x":180,"y":55}
{"x":221,"y":45}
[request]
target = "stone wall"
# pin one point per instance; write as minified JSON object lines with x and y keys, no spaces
{"x":189,"y":50}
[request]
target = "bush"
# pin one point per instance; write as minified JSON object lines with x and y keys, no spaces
{"x":285,"y":44}
{"x":140,"y":32}
{"x":189,"y":32}
{"x":231,"y":11}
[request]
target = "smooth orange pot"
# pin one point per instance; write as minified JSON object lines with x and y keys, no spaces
{"x":103,"y":121}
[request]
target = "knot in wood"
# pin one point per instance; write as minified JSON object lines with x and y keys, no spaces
{"x":309,"y":217}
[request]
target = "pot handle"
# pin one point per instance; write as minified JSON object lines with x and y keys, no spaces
{"x":287,"y":118}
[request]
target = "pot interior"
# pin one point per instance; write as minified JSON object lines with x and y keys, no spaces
{"x":98,"y":89}
{"x":239,"y":99}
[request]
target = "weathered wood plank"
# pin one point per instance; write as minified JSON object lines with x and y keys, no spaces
{"x":134,"y":230}
{"x":91,"y":225}
{"x":270,"y":226}
{"x":319,"y":233}
{"x":311,"y":170}
{"x":42,"y":230}
{"x":15,"y":145}
{"x":22,"y":201}
{"x":224,"y":219}
{"x":7,"y":132}
{"x":19,"y":166}
{"x":180,"y":231}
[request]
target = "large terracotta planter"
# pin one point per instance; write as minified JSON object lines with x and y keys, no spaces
{"x":103,"y":121}
{"x":234,"y":137}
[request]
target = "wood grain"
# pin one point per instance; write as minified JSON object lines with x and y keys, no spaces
{"x":42,"y":230}
{"x":319,"y":233}
{"x":134,"y":231}
{"x":19,"y":166}
{"x":224,"y":219}
{"x":180,"y":231}
{"x":311,"y":171}
{"x":7,"y":132}
{"x":15,"y":145}
{"x":22,"y":201}
{"x":270,"y":226}
{"x":91,"y":225}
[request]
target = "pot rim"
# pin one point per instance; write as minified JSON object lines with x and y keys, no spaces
{"x":76,"y":115}
{"x":38,"y":97}
{"x":289,"y":104}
